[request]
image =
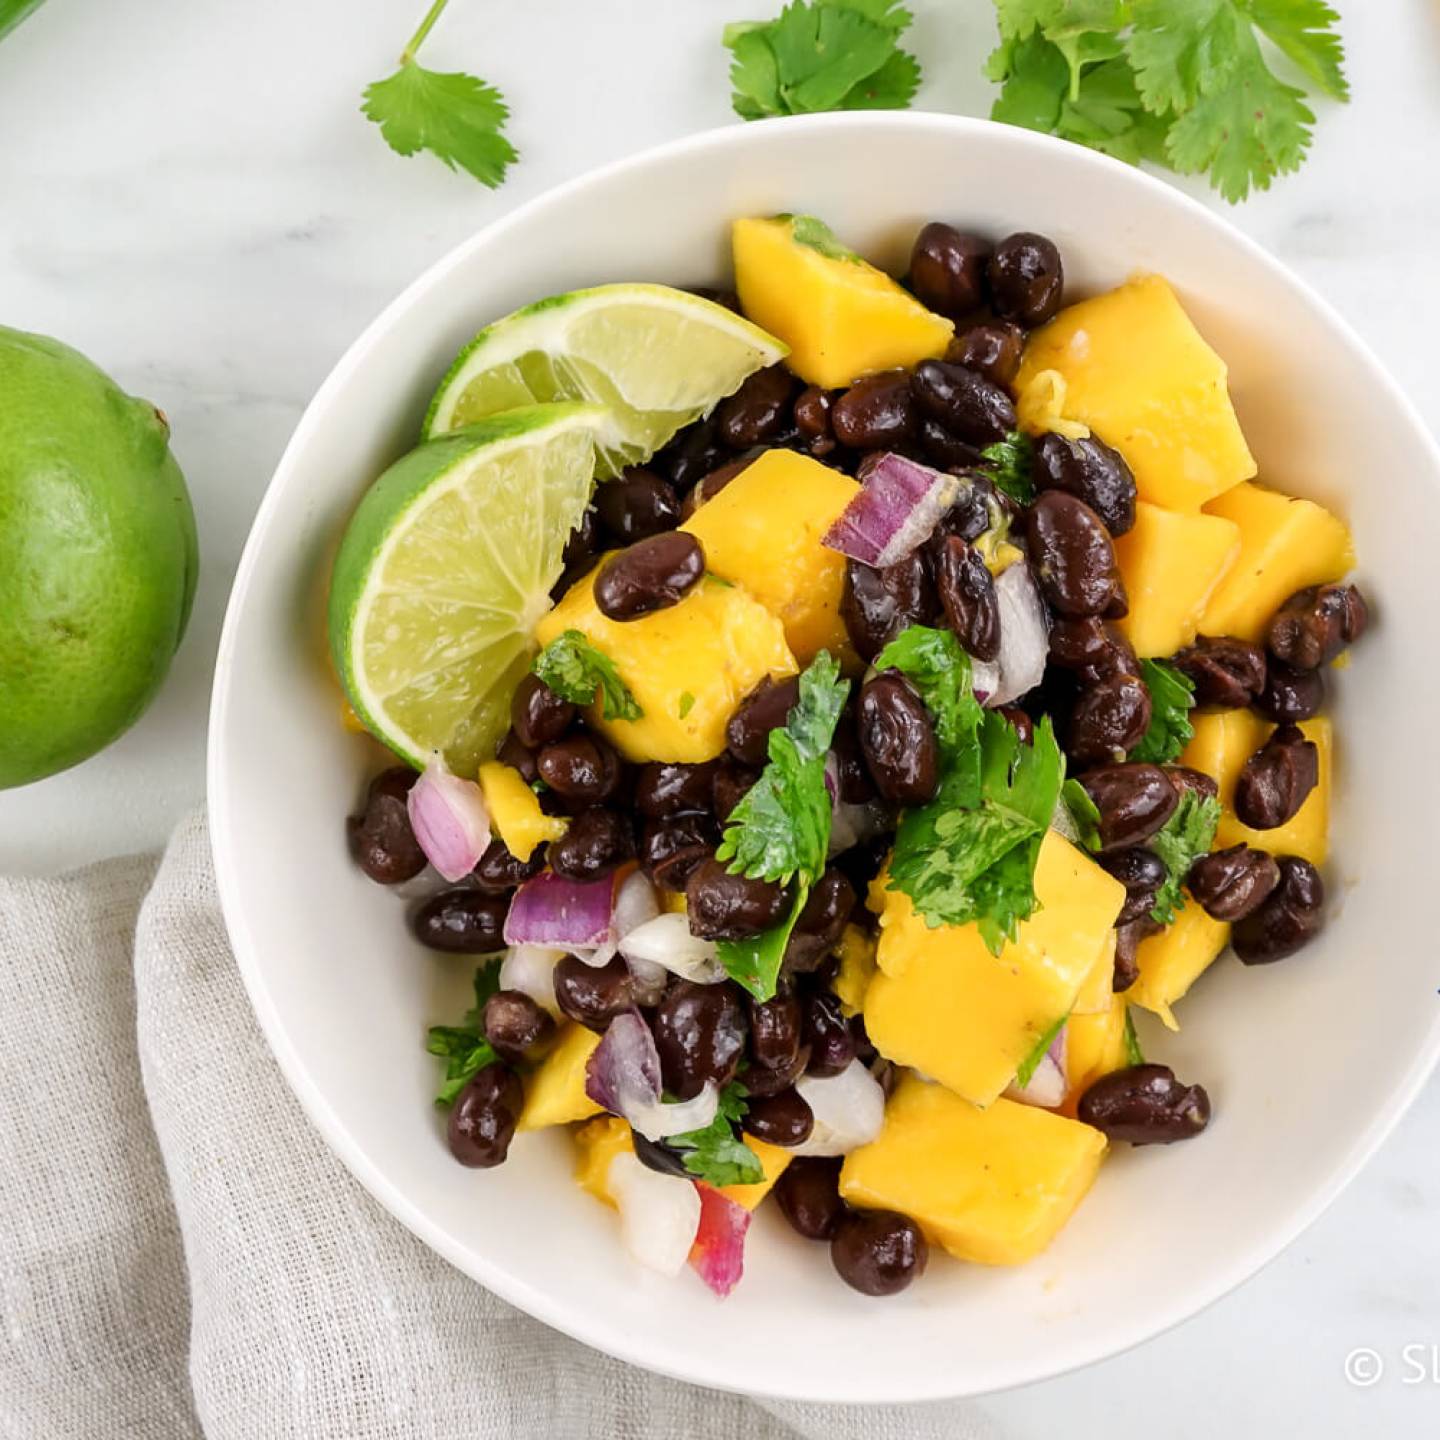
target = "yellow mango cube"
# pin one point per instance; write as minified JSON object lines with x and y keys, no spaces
{"x":555,"y":1092}
{"x":688,"y":667}
{"x":856,"y":952}
{"x":1171,"y":564}
{"x":1098,"y":991}
{"x":515,"y":813}
{"x":1285,"y":545}
{"x":944,"y":1004}
{"x":773,"y":1160}
{"x":1172,"y":961}
{"x":993,"y":1186}
{"x":1141,"y":376}
{"x":840,"y":316}
{"x":1094,"y":1046}
{"x":763,"y":531}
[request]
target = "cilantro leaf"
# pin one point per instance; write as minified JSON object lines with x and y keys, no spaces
{"x":575,"y":669}
{"x":1187,"y":835}
{"x":1084,"y":814}
{"x":716,"y":1154}
{"x":936,"y":664}
{"x":1134,"y":1055}
{"x":1009,"y":463}
{"x":464,"y":1047}
{"x":1304,"y":31}
{"x":1172,"y":697}
{"x":12,"y":12}
{"x":1031,"y":1063}
{"x":754,"y":962}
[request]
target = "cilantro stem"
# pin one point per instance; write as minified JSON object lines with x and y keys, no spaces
{"x":426,"y":26}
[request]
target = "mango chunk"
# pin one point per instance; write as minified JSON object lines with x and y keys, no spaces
{"x":856,"y":952}
{"x":688,"y":667}
{"x":944,"y":1004}
{"x":515,"y":813}
{"x":773,"y":1160}
{"x":1094,"y":1046}
{"x":840,"y":316}
{"x":1140,"y":375}
{"x":1171,"y":564}
{"x":993,"y":1186}
{"x":555,"y":1092}
{"x":1098,"y":991}
{"x":1285,"y":545}
{"x":1223,"y":741}
{"x":763,"y":531}
{"x":1172,"y":961}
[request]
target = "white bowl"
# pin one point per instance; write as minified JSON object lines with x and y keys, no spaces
{"x":1309,"y":1063}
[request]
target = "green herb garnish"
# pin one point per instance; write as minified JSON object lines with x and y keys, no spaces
{"x":936,"y":664}
{"x":1134,"y":1055}
{"x":1031,"y":1063}
{"x":687,"y":704}
{"x":716,"y":1154}
{"x":575,"y":669}
{"x":1084,"y":814}
{"x":1187,"y":835}
{"x":1009,"y":464}
{"x":464,"y":1047}
{"x":1172,"y":698}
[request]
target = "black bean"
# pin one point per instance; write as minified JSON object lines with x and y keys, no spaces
{"x":710,"y":485}
{"x":656,"y":1155}
{"x":877,"y":605}
{"x":764,"y":709}
{"x":593,"y":995}
{"x":500,"y":872}
{"x":1315,"y":624}
{"x":723,"y":906}
{"x":512,"y":751}
{"x":758,"y":413}
{"x":700,"y":1034}
{"x":1291,"y":916}
{"x":1109,"y":720}
{"x":1227,"y":673}
{"x":969,"y":406}
{"x":695,"y":451}
{"x":1127,"y":948}
{"x":942,"y":449}
{"x":808,"y":1193}
{"x":812,"y":413}
{"x":732,"y":781}
{"x":779,"y":1119}
{"x":1134,"y":801}
{"x":483,"y":1117}
{"x":947,"y":270}
{"x":1091,"y":471}
{"x":856,"y":787}
{"x":876,"y":412}
{"x":663,"y":789}
{"x":1072,"y":555}
{"x":1277,"y":779}
{"x":596,"y":842}
{"x":1290,"y":695}
{"x":537,"y":714}
{"x":967,"y":593}
{"x":1142,"y":872}
{"x":671,"y":849}
{"x":1027,"y":279}
{"x":382,"y":841}
{"x":1023,"y":724}
{"x":461,"y":921}
{"x":649,"y":575}
{"x":993,"y":348}
{"x":1093,"y":648}
{"x":898,"y":741}
{"x":636,"y":505}
{"x":878,"y":1252}
{"x":819,"y":925}
{"x":824,"y":1029}
{"x":774,"y":1032}
{"x":582,"y":544}
{"x":1183,"y":778}
{"x":581,"y":767}
{"x":514,"y":1023}
{"x":1145,"y":1105}
{"x":1231,"y":884}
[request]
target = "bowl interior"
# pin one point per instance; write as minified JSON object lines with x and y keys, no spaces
{"x":1308,"y":1063}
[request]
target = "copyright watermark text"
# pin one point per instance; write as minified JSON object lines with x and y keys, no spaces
{"x":1414,"y":1364}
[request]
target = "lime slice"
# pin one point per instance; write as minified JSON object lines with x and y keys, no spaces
{"x":444,"y":570}
{"x":656,"y":358}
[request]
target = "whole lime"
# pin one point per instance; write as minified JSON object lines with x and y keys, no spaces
{"x":98,"y":557}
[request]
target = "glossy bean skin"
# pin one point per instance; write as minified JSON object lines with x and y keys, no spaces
{"x":969,"y":406}
{"x":1093,"y":648}
{"x":483,"y":1117}
{"x":708,"y":486}
{"x":992,"y":349}
{"x":808,"y":1193}
{"x":1109,"y":720}
{"x":1145,"y":1105}
{"x":779,"y":1119}
{"x":812,"y":413}
{"x":537,"y":714}
{"x":1277,"y":779}
{"x":1127,"y":947}
{"x":664,"y":788}
{"x":723,"y":906}
{"x":819,"y":924}
{"x":974,"y":510}
{"x":700,"y":1034}
{"x":1291,"y":915}
{"x":583,"y":542}
{"x":1227,"y":673}
{"x":514,"y":1023}
{"x":636,"y":505}
{"x":730,"y":785}
{"x":898,"y":742}
{"x":673,"y":848}
{"x":1230,"y":884}
{"x":967,"y":595}
{"x":943,"y":450}
{"x":876,"y":413}
{"x":499,"y":872}
{"x":876,"y":605}
{"x":581,"y":768}
{"x":512,"y":751}
{"x":1027,"y":279}
{"x":759,"y":412}
{"x":760,"y":1081}
{"x":461,"y":921}
{"x":856,"y":787}
{"x":765,"y":708}
{"x":1092,"y":472}
{"x":593,"y":995}
{"x":774,"y":1031}
{"x":649,"y":575}
{"x":1315,"y":624}
{"x":824,"y":1029}
{"x":1072,"y":556}
{"x":1183,"y":778}
{"x":878,"y":1252}
{"x":1142,"y":872}
{"x":656,"y":1155}
{"x":693,"y":453}
{"x":1290,"y":695}
{"x":1134,"y":801}
{"x":595,"y":844}
{"x":1020,"y":719}
{"x":947,"y":270}
{"x":382,"y":842}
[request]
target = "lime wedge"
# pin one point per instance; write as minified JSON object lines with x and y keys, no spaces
{"x":444,"y":570}
{"x":656,"y":358}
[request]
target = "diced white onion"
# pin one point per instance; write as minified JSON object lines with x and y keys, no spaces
{"x":530,"y":969}
{"x":849,"y":1109}
{"x":666,"y":940}
{"x":659,"y":1214}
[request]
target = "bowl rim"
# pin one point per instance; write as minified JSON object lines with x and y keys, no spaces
{"x":592,"y":1330}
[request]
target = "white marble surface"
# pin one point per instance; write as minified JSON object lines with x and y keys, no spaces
{"x":188,"y":194}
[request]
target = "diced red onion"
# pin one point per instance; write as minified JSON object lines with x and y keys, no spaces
{"x":895,"y":511}
{"x":1046,"y":1085}
{"x":623,"y":1076}
{"x":659,"y":1214}
{"x":1024,"y":637}
{"x":550,"y":910}
{"x":530,"y":969}
{"x":849,"y":1109}
{"x":449,"y":818}
{"x":718,"y":1254}
{"x":666,"y":940}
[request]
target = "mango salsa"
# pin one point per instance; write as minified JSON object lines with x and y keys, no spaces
{"x":515,"y":811}
{"x":688,"y":667}
{"x":1140,"y":375}
{"x":856,"y":953}
{"x":1171,"y":564}
{"x":840,"y":316}
{"x":763,"y":531}
{"x":944,"y":1004}
{"x":1094,"y":1046}
{"x":993,"y":1186}
{"x":1285,"y":545}
{"x":1172,"y":961}
{"x":555,"y":1092}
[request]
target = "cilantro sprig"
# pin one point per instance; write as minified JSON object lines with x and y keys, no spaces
{"x":1186,"y":836}
{"x":1172,"y":698}
{"x":1084,"y":813}
{"x":457,"y":118}
{"x":716,"y":1154}
{"x":575,"y":669}
{"x":12,"y":12}
{"x":1031,"y":1063}
{"x":1009,"y":464}
{"x":464,"y":1047}
{"x":1134,"y":1055}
